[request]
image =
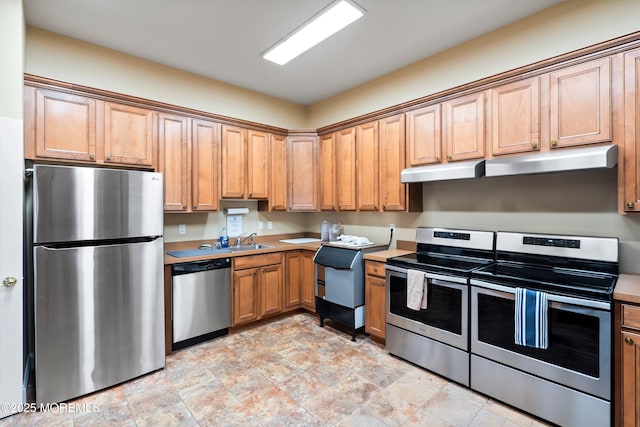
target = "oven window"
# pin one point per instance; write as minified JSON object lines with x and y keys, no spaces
{"x":573,"y":337}
{"x":444,"y":310}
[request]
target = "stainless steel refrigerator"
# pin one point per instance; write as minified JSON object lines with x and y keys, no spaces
{"x":97,"y":271}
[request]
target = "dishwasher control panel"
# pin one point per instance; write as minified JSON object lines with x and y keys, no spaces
{"x":196,"y":266}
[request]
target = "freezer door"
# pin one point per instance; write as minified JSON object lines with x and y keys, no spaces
{"x":99,"y":317}
{"x":76,"y":204}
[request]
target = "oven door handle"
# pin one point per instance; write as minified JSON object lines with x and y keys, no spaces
{"x":432,"y":276}
{"x":582,"y":302}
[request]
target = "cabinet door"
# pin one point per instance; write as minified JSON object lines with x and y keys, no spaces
{"x":307,"y":280}
{"x":346,"y":169}
{"x":327,"y":172}
{"x":630,"y":379}
{"x":234,"y":165}
{"x":302,"y":173}
{"x":375,"y":316}
{"x":278,"y":191}
{"x":392,"y":161}
{"x":245,"y":295}
{"x":515,"y":110}
{"x":632,"y":132}
{"x":465,"y":127}
{"x":424,"y":136}
{"x":580,"y":104}
{"x":367,"y":166}
{"x":293,"y":275}
{"x":174,"y":161}
{"x":205,"y":172}
{"x":271,"y":289}
{"x":129,"y":135}
{"x":258,"y":165}
{"x":65,"y":126}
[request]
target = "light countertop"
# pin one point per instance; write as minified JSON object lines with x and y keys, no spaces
{"x":628,"y":288}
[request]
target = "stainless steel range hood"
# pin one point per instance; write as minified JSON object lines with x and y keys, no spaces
{"x":457,"y":170}
{"x":604,"y":156}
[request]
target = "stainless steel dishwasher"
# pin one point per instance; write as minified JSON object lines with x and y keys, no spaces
{"x":201,"y":301}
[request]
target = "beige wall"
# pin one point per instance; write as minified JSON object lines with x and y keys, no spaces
{"x":568,"y":26}
{"x":63,"y":58}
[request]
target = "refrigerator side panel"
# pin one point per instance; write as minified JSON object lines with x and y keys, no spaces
{"x":72,"y":204}
{"x":98,"y":317}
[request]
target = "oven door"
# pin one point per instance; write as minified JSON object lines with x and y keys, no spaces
{"x":446,"y":317}
{"x":579,"y":352}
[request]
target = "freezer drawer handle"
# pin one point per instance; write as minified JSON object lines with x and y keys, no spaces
{"x":9,"y":282}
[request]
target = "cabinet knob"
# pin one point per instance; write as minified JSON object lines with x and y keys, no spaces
{"x":437,"y":159}
{"x":534,"y":145}
{"x":449,"y":157}
{"x":184,"y":207}
{"x":630,"y":205}
{"x":108,"y":158}
{"x":9,"y":281}
{"x":92,"y":156}
{"x":554,"y":142}
{"x":628,"y":340}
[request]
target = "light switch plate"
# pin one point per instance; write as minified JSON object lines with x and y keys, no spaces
{"x":270,"y":225}
{"x":260,"y":225}
{"x":182,"y":229}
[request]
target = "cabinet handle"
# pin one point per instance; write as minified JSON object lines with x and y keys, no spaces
{"x":554,"y":142}
{"x":630,"y":205}
{"x":437,"y":159}
{"x":628,"y":340}
{"x":448,"y":157}
{"x":108,"y":157}
{"x":534,"y":145}
{"x":184,"y":207}
{"x":92,"y":156}
{"x":250,"y":194}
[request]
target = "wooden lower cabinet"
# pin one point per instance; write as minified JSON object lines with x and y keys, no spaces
{"x":257,"y":286}
{"x":627,"y":375}
{"x":299,"y":282}
{"x":375,"y":300}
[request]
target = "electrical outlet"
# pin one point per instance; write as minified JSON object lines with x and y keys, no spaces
{"x":270,"y":225}
{"x":182,"y":229}
{"x":392,"y":227}
{"x":260,"y":225}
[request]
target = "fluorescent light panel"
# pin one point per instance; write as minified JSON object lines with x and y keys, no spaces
{"x":328,"y":22}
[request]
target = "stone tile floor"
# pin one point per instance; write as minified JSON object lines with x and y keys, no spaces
{"x":289,"y":372}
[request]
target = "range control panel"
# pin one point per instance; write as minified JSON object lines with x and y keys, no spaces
{"x":452,"y":235}
{"x":544,"y":241}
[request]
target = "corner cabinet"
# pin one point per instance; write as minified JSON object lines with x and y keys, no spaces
{"x":327,"y":170}
{"x":375,"y":300}
{"x":630,"y":180}
{"x":302,"y":173}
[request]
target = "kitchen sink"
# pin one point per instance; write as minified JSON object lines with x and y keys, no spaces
{"x":250,"y":247}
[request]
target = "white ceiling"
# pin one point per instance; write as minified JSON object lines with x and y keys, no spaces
{"x":223,"y":39}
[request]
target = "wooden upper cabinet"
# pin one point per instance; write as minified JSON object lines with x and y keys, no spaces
{"x":346,"y":169}
{"x":234,"y":164}
{"x":580,"y":104}
{"x":302,"y":173}
{"x":367,"y":167}
{"x":129,"y":135}
{"x":278,"y":190}
{"x":258,"y":165}
{"x":328,"y":172}
{"x":63,"y":125}
{"x":205,"y":161}
{"x":465,"y":127}
{"x":174,"y":161}
{"x":515,"y":112}
{"x":424,"y":140}
{"x":631,"y":173}
{"x":392,"y":161}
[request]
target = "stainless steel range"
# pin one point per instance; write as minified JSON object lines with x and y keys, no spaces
{"x":435,"y":337}
{"x":566,"y":377}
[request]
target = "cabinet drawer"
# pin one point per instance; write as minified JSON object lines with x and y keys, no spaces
{"x":252,"y":261}
{"x":630,"y":316}
{"x":373,"y":268}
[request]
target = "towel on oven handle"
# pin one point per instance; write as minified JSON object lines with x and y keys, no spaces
{"x":416,"y":290}
{"x":531,"y":322}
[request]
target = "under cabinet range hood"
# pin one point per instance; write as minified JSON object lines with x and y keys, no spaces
{"x":457,"y":170}
{"x":603,"y":156}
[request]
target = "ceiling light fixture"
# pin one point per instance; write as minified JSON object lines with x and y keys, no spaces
{"x":328,"y":21}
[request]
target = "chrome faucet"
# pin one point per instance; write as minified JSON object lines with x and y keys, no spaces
{"x":250,"y":237}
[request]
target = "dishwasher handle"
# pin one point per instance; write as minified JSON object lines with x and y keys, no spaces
{"x":198,"y":266}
